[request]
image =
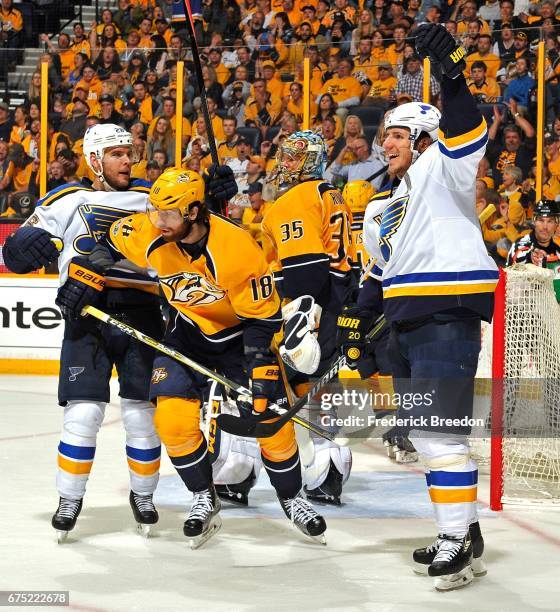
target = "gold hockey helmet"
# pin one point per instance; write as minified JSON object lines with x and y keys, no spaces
{"x":177,"y":189}
{"x":357,"y":195}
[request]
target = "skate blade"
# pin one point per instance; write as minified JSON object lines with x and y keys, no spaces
{"x":143,"y":529}
{"x":213,"y":528}
{"x":479,"y":568}
{"x":454,"y":581}
{"x":420,"y":569}
{"x":61,"y":536}
{"x":406,"y":457}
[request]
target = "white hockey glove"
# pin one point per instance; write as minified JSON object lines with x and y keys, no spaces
{"x":301,"y":350}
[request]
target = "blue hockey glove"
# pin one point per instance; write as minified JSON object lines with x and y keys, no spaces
{"x":28,"y":249}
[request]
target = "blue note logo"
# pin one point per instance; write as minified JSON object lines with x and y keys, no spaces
{"x":391,"y":220}
{"x":75,"y":372}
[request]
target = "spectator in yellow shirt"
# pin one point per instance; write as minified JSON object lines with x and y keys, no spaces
{"x":294,"y":103}
{"x":484,"y":54}
{"x":65,"y":51}
{"x":511,"y":189}
{"x":383,"y":88}
{"x":263,"y":109}
{"x":254,"y":214}
{"x":343,"y":87}
{"x":364,"y":62}
{"x":146,"y":104}
{"x":327,"y":108}
{"x":215,"y":60}
{"x":483,"y":88}
{"x":12,"y":25}
{"x":273,"y":84}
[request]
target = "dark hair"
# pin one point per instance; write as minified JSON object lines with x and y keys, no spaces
{"x":479,"y":64}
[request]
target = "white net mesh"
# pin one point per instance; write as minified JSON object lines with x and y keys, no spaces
{"x":531,"y":424}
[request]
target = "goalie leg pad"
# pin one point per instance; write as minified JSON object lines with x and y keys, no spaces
{"x":76,"y":450}
{"x":143,"y":447}
{"x":301,"y":350}
{"x":326,"y":471}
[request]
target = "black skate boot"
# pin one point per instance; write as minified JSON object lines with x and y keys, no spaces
{"x":423,"y":557}
{"x":203,"y":520}
{"x":237,"y":494}
{"x":145,"y":513}
{"x":304,"y":517}
{"x":452,"y":565}
{"x":65,"y":517}
{"x":399,"y":447}
{"x":329,"y":491}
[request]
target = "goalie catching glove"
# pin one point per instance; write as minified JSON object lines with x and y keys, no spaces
{"x":83,"y":287}
{"x":301,"y":350}
{"x":351,"y":334}
{"x":435,"y":42}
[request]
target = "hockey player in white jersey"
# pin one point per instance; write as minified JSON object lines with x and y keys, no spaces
{"x":79,"y":214}
{"x":437,"y":282}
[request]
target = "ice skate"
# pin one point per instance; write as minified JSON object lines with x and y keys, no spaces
{"x":399,"y":448}
{"x":305,"y":518}
{"x":329,"y":491}
{"x":423,"y":557}
{"x":65,"y":517}
{"x":145,"y":513}
{"x":452,"y":565}
{"x":203,"y":520}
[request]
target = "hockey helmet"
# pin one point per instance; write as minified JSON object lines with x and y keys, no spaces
{"x":546,"y":208}
{"x":301,"y":157}
{"x":357,"y":195}
{"x":417,"y":117}
{"x":177,"y":189}
{"x":103,"y":136}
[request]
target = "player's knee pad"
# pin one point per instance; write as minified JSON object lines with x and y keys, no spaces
{"x":319,"y":462}
{"x":177,"y":422}
{"x":138,"y":418}
{"x":441,"y":453}
{"x":281,"y":446}
{"x":82,"y":420}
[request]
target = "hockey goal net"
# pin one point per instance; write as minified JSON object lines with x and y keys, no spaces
{"x":518,"y":390}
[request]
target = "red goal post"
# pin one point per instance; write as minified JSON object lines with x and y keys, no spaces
{"x":521,"y":354}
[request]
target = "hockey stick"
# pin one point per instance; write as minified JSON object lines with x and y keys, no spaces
{"x":200,"y":79}
{"x":226,"y":382}
{"x":255,"y":428}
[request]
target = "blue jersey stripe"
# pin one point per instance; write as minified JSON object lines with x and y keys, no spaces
{"x":76,"y":452}
{"x":453,"y":479}
{"x":463,"y":151}
{"x":441,"y":277}
{"x":143,"y":454}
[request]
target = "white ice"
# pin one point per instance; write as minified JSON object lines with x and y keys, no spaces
{"x":257,"y":561}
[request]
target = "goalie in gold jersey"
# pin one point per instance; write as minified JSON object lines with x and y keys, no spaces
{"x":308,"y":240}
{"x":225,"y":313}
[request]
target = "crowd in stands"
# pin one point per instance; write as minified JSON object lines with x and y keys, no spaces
{"x":123,"y":69}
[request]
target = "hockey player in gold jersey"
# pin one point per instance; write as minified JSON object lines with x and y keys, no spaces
{"x":357,"y":195}
{"x":307,"y":236}
{"x":225,"y":313}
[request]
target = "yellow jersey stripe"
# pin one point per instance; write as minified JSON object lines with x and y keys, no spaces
{"x":453,"y":496}
{"x":458,"y":289}
{"x":74,"y":467}
{"x":463,"y":139}
{"x":144,"y":469}
{"x":63,"y":192}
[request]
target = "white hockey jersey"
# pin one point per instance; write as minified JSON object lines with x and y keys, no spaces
{"x":426,"y":236}
{"x":80,"y":217}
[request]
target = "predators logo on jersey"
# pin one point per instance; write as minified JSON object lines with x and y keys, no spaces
{"x":191,"y":289}
{"x":391,"y":220}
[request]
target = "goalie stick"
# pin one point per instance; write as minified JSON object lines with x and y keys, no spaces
{"x":226,"y":382}
{"x":256,"y":428}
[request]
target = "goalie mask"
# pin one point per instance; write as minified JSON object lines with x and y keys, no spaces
{"x":100,"y":137}
{"x":418,"y":118}
{"x":301,"y":157}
